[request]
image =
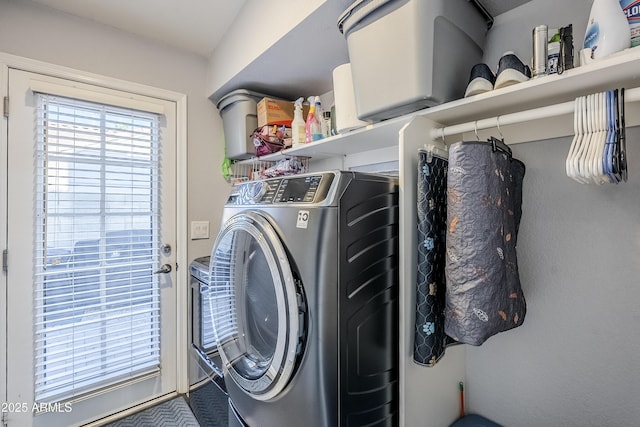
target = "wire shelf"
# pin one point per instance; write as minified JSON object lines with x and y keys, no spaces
{"x":255,"y":168}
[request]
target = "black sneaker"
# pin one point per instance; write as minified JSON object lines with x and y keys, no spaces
{"x":481,"y":80}
{"x":511,"y":71}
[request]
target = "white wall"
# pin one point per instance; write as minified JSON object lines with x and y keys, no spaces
{"x":33,"y":31}
{"x":258,"y":25}
{"x":575,"y":360}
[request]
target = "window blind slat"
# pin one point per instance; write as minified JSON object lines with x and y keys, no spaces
{"x":95,"y":329}
{"x":97,"y":204}
{"x":93,"y":359}
{"x":79,"y":337}
{"x":80,"y":384}
{"x":79,"y":320}
{"x":53,"y":317}
{"x":106,"y":382}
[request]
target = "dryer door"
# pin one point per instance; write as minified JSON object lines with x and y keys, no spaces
{"x":257,"y":306}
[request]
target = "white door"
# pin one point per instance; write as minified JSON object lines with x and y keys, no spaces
{"x":3,"y":230}
{"x":91,"y":216}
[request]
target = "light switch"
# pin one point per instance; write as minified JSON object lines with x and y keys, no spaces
{"x":199,"y":230}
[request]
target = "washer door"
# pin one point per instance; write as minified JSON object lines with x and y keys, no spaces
{"x":257,"y":306}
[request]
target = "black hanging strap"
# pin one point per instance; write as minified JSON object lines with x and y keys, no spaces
{"x":623,"y":139}
{"x":499,"y":145}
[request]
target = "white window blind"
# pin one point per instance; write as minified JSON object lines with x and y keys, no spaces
{"x":97,"y":302}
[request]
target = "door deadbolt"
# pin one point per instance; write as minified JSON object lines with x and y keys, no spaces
{"x":166,"y":249}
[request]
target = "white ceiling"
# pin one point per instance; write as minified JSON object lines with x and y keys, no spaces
{"x":192,"y":25}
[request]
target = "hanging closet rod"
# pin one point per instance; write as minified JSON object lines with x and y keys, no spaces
{"x":631,"y":95}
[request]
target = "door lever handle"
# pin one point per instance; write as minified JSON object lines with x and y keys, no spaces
{"x":164,"y":269}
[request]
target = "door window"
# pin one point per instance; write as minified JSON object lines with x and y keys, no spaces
{"x":96,"y":298}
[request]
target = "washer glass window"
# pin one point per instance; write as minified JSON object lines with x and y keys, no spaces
{"x":254,"y":304}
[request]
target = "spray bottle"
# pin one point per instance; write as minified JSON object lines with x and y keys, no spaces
{"x":298,"y":126}
{"x":313,"y":128}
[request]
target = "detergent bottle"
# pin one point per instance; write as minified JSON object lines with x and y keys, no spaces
{"x":607,"y":30}
{"x":298,"y":126}
{"x":631,"y":9}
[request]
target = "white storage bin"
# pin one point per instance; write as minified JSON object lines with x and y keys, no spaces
{"x":410,"y":54}
{"x":239,"y":112}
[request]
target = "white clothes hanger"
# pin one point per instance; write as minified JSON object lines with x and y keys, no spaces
{"x":576,"y":137}
{"x":583,"y":141}
{"x":585,"y":172}
{"x":594,"y":157}
{"x":587,"y":154}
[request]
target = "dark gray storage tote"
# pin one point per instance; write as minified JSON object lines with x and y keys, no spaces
{"x":410,"y":54}
{"x":239,"y":112}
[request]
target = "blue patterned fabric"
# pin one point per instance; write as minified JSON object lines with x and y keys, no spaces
{"x":484,"y":207}
{"x":430,"y":339}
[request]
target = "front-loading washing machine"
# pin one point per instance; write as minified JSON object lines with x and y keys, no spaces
{"x":304,"y":299}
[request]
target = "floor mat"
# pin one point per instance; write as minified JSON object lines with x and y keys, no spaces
{"x":173,"y":413}
{"x":210,"y":405}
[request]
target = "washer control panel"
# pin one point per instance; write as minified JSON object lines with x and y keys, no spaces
{"x":298,"y":190}
{"x":291,"y":189}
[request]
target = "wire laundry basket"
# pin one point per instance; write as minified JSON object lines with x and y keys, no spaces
{"x":255,"y":168}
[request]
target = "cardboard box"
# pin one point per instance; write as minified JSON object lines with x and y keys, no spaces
{"x":277,"y":112}
{"x":274,"y":112}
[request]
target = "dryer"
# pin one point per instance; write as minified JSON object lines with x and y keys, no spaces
{"x":207,"y":394}
{"x":304,"y":299}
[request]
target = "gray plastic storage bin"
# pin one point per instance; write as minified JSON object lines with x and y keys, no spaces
{"x":410,"y":54}
{"x":239,"y":112}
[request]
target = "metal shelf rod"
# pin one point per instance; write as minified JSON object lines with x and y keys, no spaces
{"x":631,"y":95}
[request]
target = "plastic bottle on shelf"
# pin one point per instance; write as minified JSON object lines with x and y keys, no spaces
{"x":631,"y":9}
{"x":607,"y":30}
{"x":320,"y":115}
{"x":313,"y":127}
{"x":326,"y":123}
{"x":298,"y":126}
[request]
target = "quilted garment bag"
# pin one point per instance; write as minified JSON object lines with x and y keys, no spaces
{"x":484,"y":207}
